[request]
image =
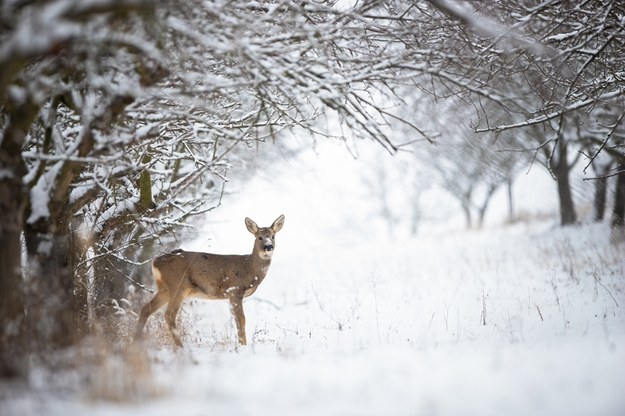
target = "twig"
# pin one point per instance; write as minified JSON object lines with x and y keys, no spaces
{"x":431,"y":320}
{"x":261,"y":300}
{"x":285,"y":330}
{"x":483,"y":308}
{"x":130,"y":279}
{"x":598,"y":281}
{"x":555,"y":290}
{"x":539,"y":313}
{"x":329,"y":315}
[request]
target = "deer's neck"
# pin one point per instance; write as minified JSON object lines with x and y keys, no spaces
{"x":260,"y":262}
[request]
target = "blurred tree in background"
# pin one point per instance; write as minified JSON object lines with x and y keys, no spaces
{"x":555,"y":65}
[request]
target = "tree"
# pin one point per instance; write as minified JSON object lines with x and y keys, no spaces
{"x":13,"y":199}
{"x":120,"y":117}
{"x":604,"y":133}
{"x":26,"y":66}
{"x":470,"y":166}
{"x":549,"y":64}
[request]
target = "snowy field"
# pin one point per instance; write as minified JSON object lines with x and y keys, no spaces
{"x":524,"y":319}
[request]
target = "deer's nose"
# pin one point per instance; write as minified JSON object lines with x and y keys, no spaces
{"x":268,"y":247}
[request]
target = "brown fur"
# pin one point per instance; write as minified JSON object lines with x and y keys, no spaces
{"x":182,"y":274}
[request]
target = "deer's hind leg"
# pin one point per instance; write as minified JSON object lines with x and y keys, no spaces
{"x":170,"y":316}
{"x":149,"y":308}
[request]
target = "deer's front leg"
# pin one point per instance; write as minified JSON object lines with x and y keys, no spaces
{"x":236,"y":307}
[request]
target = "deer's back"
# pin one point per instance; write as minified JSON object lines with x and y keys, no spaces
{"x":202,"y":274}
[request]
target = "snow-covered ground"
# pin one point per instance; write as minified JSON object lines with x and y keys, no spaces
{"x":525,"y":319}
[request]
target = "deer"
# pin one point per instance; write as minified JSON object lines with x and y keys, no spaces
{"x":181,"y":274}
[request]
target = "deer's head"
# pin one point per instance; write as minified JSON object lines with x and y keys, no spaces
{"x":265,"y":236}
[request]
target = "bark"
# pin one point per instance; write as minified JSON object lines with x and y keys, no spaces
{"x":618,"y":211}
{"x":109,"y":280}
{"x":51,"y":256}
{"x":567,"y":207}
{"x":80,"y":266}
{"x":482,"y":208}
{"x":511,"y":213}
{"x":601,"y":191}
{"x":561,"y":170}
{"x":146,"y":200}
{"x":13,"y":196}
{"x":602,"y":171}
{"x":52,"y":317}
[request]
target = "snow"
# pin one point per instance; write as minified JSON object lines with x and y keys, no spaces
{"x":39,"y":31}
{"x":40,"y":194}
{"x":513,"y":319}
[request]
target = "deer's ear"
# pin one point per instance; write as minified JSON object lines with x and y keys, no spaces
{"x":277,"y":224}
{"x":251,"y":226}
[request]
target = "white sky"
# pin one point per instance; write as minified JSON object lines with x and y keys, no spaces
{"x":325,"y":200}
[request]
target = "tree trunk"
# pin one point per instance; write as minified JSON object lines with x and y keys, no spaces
{"x":601,"y":170}
{"x":466,"y":208}
{"x":53,"y":316}
{"x":80,"y":267}
{"x":601,"y":190}
{"x":567,"y":207}
{"x":511,"y":213}
{"x":618,"y":212}
{"x":560,"y":167}
{"x":109,"y":281}
{"x":51,"y":254}
{"x":482,"y":208}
{"x":58,"y":313}
{"x":13,"y":197}
{"x":415,"y":218}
